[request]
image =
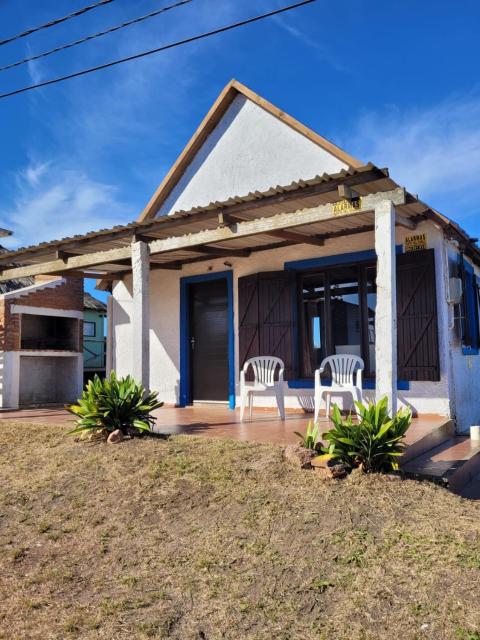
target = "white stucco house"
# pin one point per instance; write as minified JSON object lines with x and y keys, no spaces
{"x":266,"y":239}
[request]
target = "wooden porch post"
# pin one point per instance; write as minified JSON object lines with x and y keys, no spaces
{"x":141,"y":312}
{"x":386,"y":310}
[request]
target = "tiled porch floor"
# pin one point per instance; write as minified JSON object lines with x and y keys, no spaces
{"x":218,"y":421}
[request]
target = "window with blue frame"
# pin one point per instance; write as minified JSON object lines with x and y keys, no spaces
{"x":470,"y":304}
{"x":336,"y":315}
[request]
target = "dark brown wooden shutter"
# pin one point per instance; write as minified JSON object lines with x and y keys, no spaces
{"x":418,"y":357}
{"x":248,"y":338}
{"x":266,"y":317}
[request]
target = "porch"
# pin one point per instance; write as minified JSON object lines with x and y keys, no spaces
{"x":217,"y":421}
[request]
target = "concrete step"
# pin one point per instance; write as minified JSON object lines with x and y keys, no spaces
{"x":424,"y":436}
{"x":454,"y":463}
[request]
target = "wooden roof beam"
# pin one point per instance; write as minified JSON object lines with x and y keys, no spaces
{"x":298,"y":238}
{"x":87,"y":274}
{"x":154,"y":266}
{"x":405,"y":221}
{"x":220,"y":252}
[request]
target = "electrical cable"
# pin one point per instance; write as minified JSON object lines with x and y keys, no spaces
{"x":53,"y":23}
{"x":143,"y":54}
{"x":94,"y":35}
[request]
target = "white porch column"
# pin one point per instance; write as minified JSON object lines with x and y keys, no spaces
{"x":386,"y":310}
{"x":141,"y":312}
{"x":109,"y":351}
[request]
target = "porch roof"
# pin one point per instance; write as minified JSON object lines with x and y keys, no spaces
{"x":106,"y":253}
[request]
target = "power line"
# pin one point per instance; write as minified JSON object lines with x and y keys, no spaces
{"x":95,"y":35}
{"x":52,"y":23}
{"x":143,"y":54}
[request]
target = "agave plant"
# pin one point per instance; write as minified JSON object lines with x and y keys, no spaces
{"x":114,"y":403}
{"x":309,"y":439}
{"x":375,"y":442}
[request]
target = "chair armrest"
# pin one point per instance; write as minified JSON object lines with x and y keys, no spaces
{"x":318,"y":373}
{"x":242,"y":378}
{"x":280,"y":375}
{"x":359,"y":377}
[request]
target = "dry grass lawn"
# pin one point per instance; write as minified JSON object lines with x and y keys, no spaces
{"x":191,"y":538}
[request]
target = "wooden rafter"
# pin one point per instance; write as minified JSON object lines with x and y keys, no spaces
{"x":220,"y":252}
{"x":298,"y":238}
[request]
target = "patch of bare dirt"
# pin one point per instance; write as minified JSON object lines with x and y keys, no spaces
{"x":191,"y":538}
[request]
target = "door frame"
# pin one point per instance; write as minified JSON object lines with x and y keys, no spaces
{"x":185,"y":394}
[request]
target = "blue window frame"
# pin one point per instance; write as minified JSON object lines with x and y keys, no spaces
{"x":470,"y":319}
{"x":185,"y":396}
{"x":322,"y":263}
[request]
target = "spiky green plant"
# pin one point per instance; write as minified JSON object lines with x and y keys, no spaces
{"x":309,"y":439}
{"x":375,"y":442}
{"x":114,"y":403}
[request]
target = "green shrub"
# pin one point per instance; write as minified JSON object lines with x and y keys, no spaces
{"x":114,"y":403}
{"x":310,"y":438}
{"x":374,"y":442}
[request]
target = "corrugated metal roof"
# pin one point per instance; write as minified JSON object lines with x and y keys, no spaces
{"x":89,"y":302}
{"x":278,"y":199}
{"x":297,"y":188}
{"x":14,"y":285}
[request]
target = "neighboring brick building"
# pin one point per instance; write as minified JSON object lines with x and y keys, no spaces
{"x":41,"y":346}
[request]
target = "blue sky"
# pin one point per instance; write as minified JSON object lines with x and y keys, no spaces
{"x":396,"y":83}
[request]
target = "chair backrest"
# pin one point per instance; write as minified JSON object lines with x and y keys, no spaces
{"x":264,"y":368}
{"x":343,"y":368}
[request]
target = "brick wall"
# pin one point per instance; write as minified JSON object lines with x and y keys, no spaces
{"x":67,"y":296}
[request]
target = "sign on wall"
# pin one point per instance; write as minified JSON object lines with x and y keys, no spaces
{"x":347,"y":206}
{"x":416,"y":243}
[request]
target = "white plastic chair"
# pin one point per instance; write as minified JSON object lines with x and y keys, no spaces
{"x":264,"y":371}
{"x":343,"y":369}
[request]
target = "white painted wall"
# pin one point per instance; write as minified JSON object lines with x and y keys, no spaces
{"x":465,"y":369}
{"x":49,"y":379}
{"x":39,"y":377}
{"x":423,"y":397}
{"x":249,"y":149}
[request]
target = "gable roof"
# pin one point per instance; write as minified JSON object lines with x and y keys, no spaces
{"x":213,"y":117}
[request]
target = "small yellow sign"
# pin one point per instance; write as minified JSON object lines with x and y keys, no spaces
{"x":416,"y":243}
{"x":347,"y":206}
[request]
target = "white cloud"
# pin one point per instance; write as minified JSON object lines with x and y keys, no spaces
{"x":313,"y":43}
{"x":54,"y":201}
{"x":434,"y":151}
{"x":33,"y":173}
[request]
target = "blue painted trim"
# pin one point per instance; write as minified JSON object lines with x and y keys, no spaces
{"x":471,"y":309}
{"x":402,"y":385}
{"x":331,"y":261}
{"x":301,"y":384}
{"x":185,"y":391}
